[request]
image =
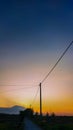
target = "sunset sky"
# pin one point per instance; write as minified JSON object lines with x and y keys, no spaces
{"x":33,"y":35}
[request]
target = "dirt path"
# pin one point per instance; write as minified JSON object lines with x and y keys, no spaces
{"x":29,"y":125}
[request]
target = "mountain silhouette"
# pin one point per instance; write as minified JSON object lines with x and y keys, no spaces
{"x":12,"y":110}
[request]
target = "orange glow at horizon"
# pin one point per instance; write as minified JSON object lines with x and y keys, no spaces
{"x":60,"y":107}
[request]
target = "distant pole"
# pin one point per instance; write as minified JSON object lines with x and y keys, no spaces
{"x":30,"y":106}
{"x":40,"y":100}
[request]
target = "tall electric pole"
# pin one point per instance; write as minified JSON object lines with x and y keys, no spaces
{"x":40,"y":100}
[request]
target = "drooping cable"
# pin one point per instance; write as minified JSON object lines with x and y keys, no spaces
{"x":56,"y":62}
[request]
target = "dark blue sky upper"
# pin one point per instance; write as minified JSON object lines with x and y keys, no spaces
{"x":35,"y":25}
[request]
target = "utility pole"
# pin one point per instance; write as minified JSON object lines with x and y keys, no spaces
{"x":30,"y":106}
{"x":40,"y":100}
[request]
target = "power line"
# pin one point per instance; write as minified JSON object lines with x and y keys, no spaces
{"x":11,"y":90}
{"x":16,"y":85}
{"x":35,"y":96}
{"x":57,"y":62}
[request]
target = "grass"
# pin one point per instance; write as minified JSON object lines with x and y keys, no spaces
{"x":10,"y":122}
{"x":5,"y":126}
{"x":10,"y":126}
{"x":57,"y":127}
{"x":61,"y":123}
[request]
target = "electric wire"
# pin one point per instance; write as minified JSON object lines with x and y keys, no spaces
{"x":57,"y":62}
{"x":16,"y":85}
{"x":11,"y":90}
{"x":35,"y":96}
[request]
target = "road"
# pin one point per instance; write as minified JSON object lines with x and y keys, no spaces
{"x":29,"y":125}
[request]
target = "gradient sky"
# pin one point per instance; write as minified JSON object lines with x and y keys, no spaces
{"x":33,"y":35}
